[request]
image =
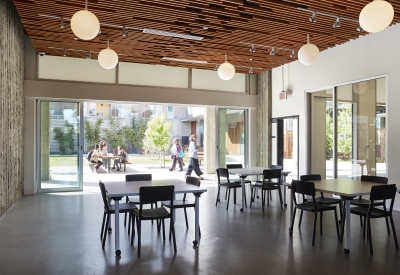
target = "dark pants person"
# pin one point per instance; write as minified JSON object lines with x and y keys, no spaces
{"x":194,"y":165}
{"x":99,"y":163}
{"x":174,"y":161}
{"x":116,"y":162}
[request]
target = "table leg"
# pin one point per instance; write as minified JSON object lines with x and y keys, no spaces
{"x":196,"y":219}
{"x":284,"y":191}
{"x":243,"y":192}
{"x":291,"y":210}
{"x":347,"y":243}
{"x":116,"y":230}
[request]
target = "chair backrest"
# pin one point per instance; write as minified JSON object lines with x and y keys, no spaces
{"x":310,"y":177}
{"x":104,"y":195}
{"x":270,"y":174}
{"x":222,"y":173}
{"x":280,"y":167}
{"x":153,"y":194}
{"x":303,"y":187}
{"x":193,"y":180}
{"x":233,"y":166}
{"x":138,"y":177}
{"x":376,"y":179}
{"x":383,"y":192}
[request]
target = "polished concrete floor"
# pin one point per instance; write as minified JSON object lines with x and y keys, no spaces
{"x":59,"y":234}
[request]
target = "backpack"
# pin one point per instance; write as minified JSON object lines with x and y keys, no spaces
{"x":89,"y":155}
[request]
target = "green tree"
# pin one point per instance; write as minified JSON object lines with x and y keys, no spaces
{"x":158,"y":133}
{"x":345,"y":128}
{"x":114,"y":133}
{"x":92,"y":131}
{"x":65,"y":138}
{"x":135,"y":133}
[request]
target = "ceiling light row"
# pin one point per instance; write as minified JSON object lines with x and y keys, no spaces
{"x":272,"y":51}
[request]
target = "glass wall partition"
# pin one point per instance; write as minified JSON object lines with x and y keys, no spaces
{"x":59,"y":148}
{"x":232,"y":137}
{"x":349,"y":121}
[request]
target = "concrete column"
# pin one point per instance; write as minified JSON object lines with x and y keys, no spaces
{"x":210,"y":140}
{"x":223,"y":129}
{"x":264,"y":113}
{"x":45,"y":141}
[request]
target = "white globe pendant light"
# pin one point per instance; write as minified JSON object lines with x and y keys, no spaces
{"x":376,"y":16}
{"x":308,"y":53}
{"x":85,"y":24}
{"x":226,"y":71}
{"x":108,"y":58}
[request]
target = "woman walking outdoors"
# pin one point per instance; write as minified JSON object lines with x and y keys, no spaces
{"x":175,"y":150}
{"x":194,"y":162}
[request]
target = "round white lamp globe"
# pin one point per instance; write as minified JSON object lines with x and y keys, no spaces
{"x":376,"y":16}
{"x":308,"y":54}
{"x":108,"y":58}
{"x":226,"y":71}
{"x":360,"y":87}
{"x":85,"y":25}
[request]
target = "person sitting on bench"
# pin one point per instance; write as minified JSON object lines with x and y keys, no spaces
{"x":117,"y":161}
{"x":95,"y":157}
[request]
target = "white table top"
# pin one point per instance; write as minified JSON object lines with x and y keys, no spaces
{"x":118,"y":189}
{"x":344,"y":187}
{"x":251,"y":171}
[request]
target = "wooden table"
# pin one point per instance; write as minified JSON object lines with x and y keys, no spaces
{"x":109,"y":158}
{"x":116,"y":190}
{"x":347,"y":189}
{"x":253,"y":171}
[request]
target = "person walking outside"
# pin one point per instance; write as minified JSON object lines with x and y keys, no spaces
{"x":194,"y":162}
{"x":95,"y":157}
{"x":175,"y":150}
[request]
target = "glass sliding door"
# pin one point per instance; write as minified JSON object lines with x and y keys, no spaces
{"x":355,"y":130}
{"x":232,"y":137}
{"x":59,"y":155}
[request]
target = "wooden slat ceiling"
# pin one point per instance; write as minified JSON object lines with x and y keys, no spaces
{"x":223,"y":24}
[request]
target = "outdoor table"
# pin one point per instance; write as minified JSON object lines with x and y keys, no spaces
{"x":253,"y":171}
{"x":116,"y":190}
{"x":109,"y":158}
{"x":347,"y":189}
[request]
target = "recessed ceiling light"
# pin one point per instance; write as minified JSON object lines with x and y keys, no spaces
{"x":205,"y":28}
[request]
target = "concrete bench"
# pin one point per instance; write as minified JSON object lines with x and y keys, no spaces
{"x":124,"y":163}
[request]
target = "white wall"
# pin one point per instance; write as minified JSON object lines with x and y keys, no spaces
{"x":209,"y":80}
{"x":369,"y":56}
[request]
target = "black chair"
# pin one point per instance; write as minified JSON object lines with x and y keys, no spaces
{"x":321,"y":199}
{"x":153,"y":194}
{"x":268,"y":184}
{"x":235,"y":166}
{"x":378,"y":193}
{"x":308,"y":189}
{"x":279,"y":167}
{"x":136,"y":177}
{"x":183,"y":204}
{"x":364,"y":202}
{"x":110,"y":209}
{"x":223,"y":173}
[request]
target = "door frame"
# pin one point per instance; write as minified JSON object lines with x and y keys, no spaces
{"x":279,"y":140}
{"x":38,"y":188}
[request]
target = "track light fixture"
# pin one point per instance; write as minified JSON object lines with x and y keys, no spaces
{"x":293,"y":54}
{"x":89,"y":56}
{"x":124,"y":32}
{"x":272,"y":52}
{"x":337,"y":23}
{"x":313,"y":17}
{"x":65,"y":53}
{"x":216,"y":67}
{"x":253,"y":48}
{"x":251,"y":70}
{"x":62,"y":24}
{"x":339,"y":18}
{"x":360,"y":29}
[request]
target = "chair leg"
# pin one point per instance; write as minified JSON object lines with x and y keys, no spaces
{"x":341,"y":211}
{"x":314,"y":227}
{"x":229,"y":196}
{"x":301,"y":218}
{"x":226,"y":192}
{"x":102,"y":225}
{"x":280,"y":197}
{"x":139,"y":231}
{"x":364,"y":227}
{"x":361,"y":223}
{"x":291,"y":227}
{"x":268,"y":195}
{"x":158,"y":226}
{"x":133,"y":228}
{"x":125,"y":219}
{"x":217,"y":200}
{"x":234,"y":196}
{"x":320,"y":222}
{"x":163,"y":229}
{"x":394,"y":232}
{"x":173,"y":234}
{"x":337,"y":225}
{"x":386,"y":218}
{"x":263,"y":199}
{"x":370,"y":236}
{"x":342,"y":224}
{"x":105,"y":232}
{"x":252,"y":195}
{"x":245,"y":199}
{"x":152,"y":208}
{"x":187,"y":224}
{"x":129,"y":222}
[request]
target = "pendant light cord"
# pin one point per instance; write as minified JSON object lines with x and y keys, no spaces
{"x":226,"y":59}
{"x":108,"y":43}
{"x":283,"y":80}
{"x":86,"y":4}
{"x":308,"y":39}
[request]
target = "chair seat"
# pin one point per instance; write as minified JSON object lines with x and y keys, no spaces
{"x":155,"y":213}
{"x":178,"y":204}
{"x":364,"y":202}
{"x":363,"y":211}
{"x":240,"y":181}
{"x":324,"y":200}
{"x":123,"y":207}
{"x":268,"y":186}
{"x":134,"y":199}
{"x":309,"y":206}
